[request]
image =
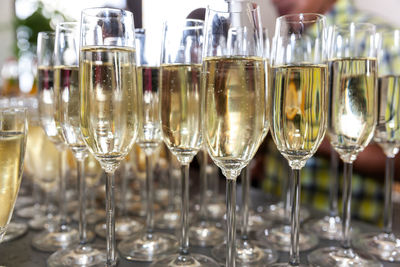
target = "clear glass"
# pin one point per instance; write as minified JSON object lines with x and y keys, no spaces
{"x":351,"y":122}
{"x":66,"y":87}
{"x":62,"y":235}
{"x":13,"y":134}
{"x":204,"y":232}
{"x":180,"y":104}
{"x":386,"y":245}
{"x":234,"y":98}
{"x":148,"y":245}
{"x":109,"y":99}
{"x":298,"y":110}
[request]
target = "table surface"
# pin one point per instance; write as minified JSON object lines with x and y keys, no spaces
{"x":19,"y":253}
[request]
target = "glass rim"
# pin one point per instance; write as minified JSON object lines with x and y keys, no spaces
{"x":93,"y":12}
{"x":47,"y":34}
{"x":181,"y":24}
{"x":13,"y":109}
{"x":301,"y":18}
{"x":67,"y":25}
{"x":346,"y":26}
{"x":254,"y":7}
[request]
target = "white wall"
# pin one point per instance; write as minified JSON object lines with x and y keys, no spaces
{"x":387,"y":9}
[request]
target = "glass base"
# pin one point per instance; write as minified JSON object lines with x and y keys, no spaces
{"x":168,"y":220}
{"x":139,"y":209}
{"x":143,"y":247}
{"x":80,"y":256}
{"x":14,"y":231}
{"x":329,"y":227}
{"x":30,"y":211}
{"x":276,"y":212}
{"x":93,"y":216}
{"x":124,"y":227}
{"x":286,"y":264}
{"x":205,"y":234}
{"x":53,"y":241}
{"x":44,"y":222}
{"x":382,"y":245}
{"x":23,"y":201}
{"x":256,"y":222}
{"x":248,"y":253}
{"x":190,"y":260}
{"x":279,"y":238}
{"x":336,"y":256}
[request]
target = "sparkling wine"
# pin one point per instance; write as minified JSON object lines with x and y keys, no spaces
{"x":353,"y":104}
{"x":109,"y":102}
{"x":234,"y":119}
{"x":66,"y":83}
{"x":387,"y":132}
{"x":180,"y":109}
{"x":150,"y":135}
{"x":11,"y":166}
{"x":48,"y":108}
{"x":298,"y":110}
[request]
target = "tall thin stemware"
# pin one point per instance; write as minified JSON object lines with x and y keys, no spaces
{"x":148,"y":245}
{"x":351,"y":123}
{"x":63,"y":235}
{"x":298,"y":111}
{"x":66,"y":85}
{"x":181,"y":118}
{"x":109,"y":99}
{"x":234,"y":97}
{"x":386,"y":245}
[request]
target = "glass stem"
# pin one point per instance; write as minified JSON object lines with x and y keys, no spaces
{"x":203,"y":181}
{"x":348,"y":170}
{"x":388,"y":209}
{"x":62,"y":194}
{"x":149,"y":196}
{"x":82,"y":200}
{"x":245,"y":202}
{"x":184,"y":246}
{"x":171,"y":191}
{"x":231,"y":222}
{"x":124,"y":190}
{"x":287,"y":191}
{"x":294,"y":259}
{"x":333,"y":189}
{"x":110,"y":219}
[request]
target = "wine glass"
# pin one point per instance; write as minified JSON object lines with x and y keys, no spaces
{"x":298,"y":110}
{"x":234,"y":101}
{"x":351,"y":123}
{"x":181,"y":118}
{"x":109,"y":99}
{"x":66,"y":87}
{"x":203,"y":231}
{"x":386,"y":245}
{"x":62,"y":235}
{"x":148,"y":244}
{"x":13,"y":132}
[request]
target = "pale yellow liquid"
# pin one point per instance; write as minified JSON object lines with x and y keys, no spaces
{"x":11,"y":161}
{"x":234,"y":116}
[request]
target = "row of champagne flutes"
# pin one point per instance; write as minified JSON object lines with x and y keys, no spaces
{"x":105,"y":114}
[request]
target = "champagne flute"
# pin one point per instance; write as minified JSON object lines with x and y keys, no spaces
{"x":234,"y":98}
{"x":148,"y":244}
{"x":13,"y":132}
{"x":63,"y":235}
{"x":109,"y":100}
{"x":386,"y":245}
{"x":181,"y":118}
{"x":351,"y":123}
{"x":66,"y":86}
{"x":298,"y":111}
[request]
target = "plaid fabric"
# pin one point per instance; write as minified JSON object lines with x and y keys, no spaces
{"x":367,"y":192}
{"x":367,"y":196}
